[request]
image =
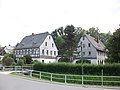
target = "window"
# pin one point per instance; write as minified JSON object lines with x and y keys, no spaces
{"x":51,"y":52}
{"x":83,"y":37}
{"x":52,"y":45}
{"x":45,"y":43}
{"x":88,"y":44}
{"x":42,"y":61}
{"x":42,"y":52}
{"x":83,"y":53}
{"x":47,"y":52}
{"x":49,"y":37}
{"x":89,"y":53}
{"x":83,"y":45}
{"x":54,"y":52}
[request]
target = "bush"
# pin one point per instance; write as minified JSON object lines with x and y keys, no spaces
{"x":89,"y":69}
{"x":84,"y":61}
{"x":35,"y":61}
{"x":20,"y":62}
{"x":8,"y":61}
{"x":63,"y":60}
{"x":14,"y":64}
{"x":28,"y":59}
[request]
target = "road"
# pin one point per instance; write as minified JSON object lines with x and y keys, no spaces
{"x":8,"y":82}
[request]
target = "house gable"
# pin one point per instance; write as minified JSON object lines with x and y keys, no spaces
{"x":49,"y":47}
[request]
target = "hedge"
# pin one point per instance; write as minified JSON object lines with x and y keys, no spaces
{"x":68,"y":68}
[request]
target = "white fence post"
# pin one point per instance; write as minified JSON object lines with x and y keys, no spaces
{"x":82,"y":80}
{"x":102,"y":77}
{"x":30,"y":73}
{"x":40,"y":75}
{"x":65,"y":79}
{"x":51,"y":77}
{"x":3,"y":68}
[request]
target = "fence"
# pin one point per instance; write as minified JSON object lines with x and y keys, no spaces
{"x":66,"y":78}
{"x":15,"y":68}
{"x":78,"y":79}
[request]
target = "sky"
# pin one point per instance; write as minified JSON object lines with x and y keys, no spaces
{"x":19,"y":18}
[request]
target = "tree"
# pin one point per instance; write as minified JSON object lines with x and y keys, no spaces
{"x":58,"y":35}
{"x":20,"y":62}
{"x":114,"y":47}
{"x":94,"y":32}
{"x":8,"y":61}
{"x":28,"y":59}
{"x":70,"y":42}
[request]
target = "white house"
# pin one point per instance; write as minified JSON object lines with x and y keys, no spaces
{"x":92,"y":49}
{"x":40,"y":47}
{"x":9,"y":49}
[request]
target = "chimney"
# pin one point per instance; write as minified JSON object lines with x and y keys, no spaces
{"x":97,"y":39}
{"x":32,"y":33}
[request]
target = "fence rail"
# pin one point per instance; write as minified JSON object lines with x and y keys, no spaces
{"x":79,"y":79}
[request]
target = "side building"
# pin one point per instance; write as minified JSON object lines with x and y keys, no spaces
{"x":40,"y":47}
{"x":92,"y":49}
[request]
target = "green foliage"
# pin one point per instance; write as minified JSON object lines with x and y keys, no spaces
{"x":84,"y":61}
{"x":67,"y":68}
{"x":7,"y":61}
{"x":20,"y":62}
{"x":64,"y":60}
{"x":14,"y":64}
{"x":28,"y":59}
{"x":22,"y":58}
{"x":114,"y":47}
{"x":10,"y":55}
{"x":35,"y":61}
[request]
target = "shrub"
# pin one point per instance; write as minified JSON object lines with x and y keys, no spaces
{"x":84,"y":61}
{"x":68,"y":68}
{"x":8,"y":61}
{"x":28,"y":59}
{"x":20,"y":62}
{"x":63,"y":60}
{"x":14,"y":64}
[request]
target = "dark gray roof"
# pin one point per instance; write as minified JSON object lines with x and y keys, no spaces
{"x":32,"y":41}
{"x":98,"y":45}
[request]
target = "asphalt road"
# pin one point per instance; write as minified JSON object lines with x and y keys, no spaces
{"x":8,"y":82}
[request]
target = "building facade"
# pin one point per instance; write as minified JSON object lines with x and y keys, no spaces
{"x":92,"y":49}
{"x":40,"y":47}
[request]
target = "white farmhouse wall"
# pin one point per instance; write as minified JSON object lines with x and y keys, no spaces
{"x":45,"y":60}
{"x":51,"y":47}
{"x":87,"y":49}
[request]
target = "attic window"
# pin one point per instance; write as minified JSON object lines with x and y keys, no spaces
{"x":88,"y":44}
{"x":45,"y":43}
{"x":83,"y":38}
{"x":49,"y":37}
{"x":52,"y":45}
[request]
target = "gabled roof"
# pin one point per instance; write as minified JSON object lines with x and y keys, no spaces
{"x":32,"y":41}
{"x":96,"y":43}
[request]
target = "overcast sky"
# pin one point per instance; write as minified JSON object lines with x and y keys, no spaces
{"x":19,"y":18}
